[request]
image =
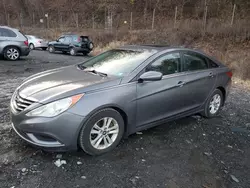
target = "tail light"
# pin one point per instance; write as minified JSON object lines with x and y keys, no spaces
{"x":230,"y":74}
{"x":79,"y":39}
{"x":39,"y":41}
{"x":26,"y":43}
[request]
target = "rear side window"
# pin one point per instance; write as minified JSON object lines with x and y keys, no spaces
{"x":61,"y":39}
{"x":167,"y":64}
{"x":194,"y":61}
{"x":67,"y":39}
{"x":211,"y":63}
{"x":7,"y":33}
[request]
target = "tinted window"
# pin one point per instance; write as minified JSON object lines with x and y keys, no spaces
{"x":211,"y":63}
{"x":168,"y":64}
{"x":61,"y":39}
{"x":194,"y":61}
{"x":67,"y":39}
{"x":117,"y":62}
{"x":7,"y":33}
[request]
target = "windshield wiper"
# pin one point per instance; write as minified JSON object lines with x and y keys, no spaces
{"x":96,"y":72}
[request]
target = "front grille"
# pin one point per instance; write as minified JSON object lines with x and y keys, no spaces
{"x":20,"y":103}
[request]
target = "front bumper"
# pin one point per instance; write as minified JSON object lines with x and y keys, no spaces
{"x":41,"y":45}
{"x":57,"y":133}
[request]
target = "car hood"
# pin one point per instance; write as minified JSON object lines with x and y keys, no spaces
{"x":62,"y":82}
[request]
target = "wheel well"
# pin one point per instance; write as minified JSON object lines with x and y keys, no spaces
{"x":11,"y":46}
{"x":124,"y":116}
{"x":222,"y":89}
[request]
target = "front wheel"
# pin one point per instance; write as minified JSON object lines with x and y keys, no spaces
{"x":51,"y":49}
{"x":11,"y":53}
{"x":102,"y":132}
{"x":213,"y":104}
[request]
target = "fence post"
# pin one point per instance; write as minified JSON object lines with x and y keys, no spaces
{"x":93,"y":21}
{"x":131,"y":20}
{"x":232,"y":21}
{"x":175,"y":16}
{"x":153,"y":19}
{"x":205,"y":20}
{"x":76,"y":17}
{"x":21,"y":20}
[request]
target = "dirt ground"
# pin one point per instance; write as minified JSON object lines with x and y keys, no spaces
{"x":191,"y":152}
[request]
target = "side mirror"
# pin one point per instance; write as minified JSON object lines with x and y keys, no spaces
{"x":57,"y":40}
{"x":151,"y":76}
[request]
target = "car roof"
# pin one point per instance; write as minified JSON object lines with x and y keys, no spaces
{"x":7,"y":27}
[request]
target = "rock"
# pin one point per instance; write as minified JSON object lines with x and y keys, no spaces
{"x":138,"y":133}
{"x":207,"y":153}
{"x":229,"y":146}
{"x":83,"y":177}
{"x":225,"y":171}
{"x":23,"y":169}
{"x":204,"y":134}
{"x":234,"y":179}
{"x":12,"y":187}
{"x":60,"y":162}
{"x":79,"y":162}
{"x":188,"y":141}
{"x":59,"y":156}
{"x":143,"y":160}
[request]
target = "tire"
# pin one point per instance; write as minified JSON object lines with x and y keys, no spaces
{"x":87,"y":140}
{"x":44,"y":48}
{"x":91,"y":45}
{"x":51,"y":49}
{"x":32,"y":46}
{"x":213,"y":104}
{"x":85,"y":53}
{"x":11,"y":53}
{"x":72,"y":51}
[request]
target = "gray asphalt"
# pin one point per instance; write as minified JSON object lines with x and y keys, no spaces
{"x":191,"y":152}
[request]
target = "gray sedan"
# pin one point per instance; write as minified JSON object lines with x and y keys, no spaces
{"x":37,"y":42}
{"x":92,"y":105}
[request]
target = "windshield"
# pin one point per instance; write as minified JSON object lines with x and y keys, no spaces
{"x":117,"y":62}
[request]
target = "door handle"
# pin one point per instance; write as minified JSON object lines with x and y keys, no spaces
{"x":180,"y":83}
{"x":211,"y":75}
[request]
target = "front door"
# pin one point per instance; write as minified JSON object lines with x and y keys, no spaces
{"x":59,"y":44}
{"x":161,"y":99}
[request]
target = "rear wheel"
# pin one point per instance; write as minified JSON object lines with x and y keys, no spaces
{"x":11,"y":53}
{"x":213,"y":104}
{"x":72,"y":51}
{"x":51,"y":49}
{"x":32,"y":46}
{"x":102,"y":132}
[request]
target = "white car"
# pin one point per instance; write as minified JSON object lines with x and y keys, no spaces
{"x":36,"y":42}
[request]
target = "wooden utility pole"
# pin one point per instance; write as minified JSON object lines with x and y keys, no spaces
{"x":175,"y":16}
{"x":232,"y":21}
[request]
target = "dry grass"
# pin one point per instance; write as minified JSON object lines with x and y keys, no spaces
{"x":229,"y":44}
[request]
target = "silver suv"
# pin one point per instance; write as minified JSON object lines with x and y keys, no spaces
{"x":13,"y":43}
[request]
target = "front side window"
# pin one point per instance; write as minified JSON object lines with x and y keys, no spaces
{"x":194,"y":61}
{"x":61,"y":39}
{"x":117,"y":62}
{"x":7,"y":33}
{"x":167,"y":64}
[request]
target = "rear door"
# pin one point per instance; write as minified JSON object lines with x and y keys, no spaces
{"x":200,"y":78}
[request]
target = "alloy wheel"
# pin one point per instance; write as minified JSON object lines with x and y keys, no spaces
{"x":12,"y":54}
{"x":214,"y":104}
{"x":104,"y":133}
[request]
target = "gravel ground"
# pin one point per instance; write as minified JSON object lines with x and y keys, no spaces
{"x":191,"y":152}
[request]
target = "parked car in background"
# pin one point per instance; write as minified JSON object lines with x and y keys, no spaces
{"x":37,"y":42}
{"x":94,"y":104}
{"x":72,"y":44}
{"x":13,"y":43}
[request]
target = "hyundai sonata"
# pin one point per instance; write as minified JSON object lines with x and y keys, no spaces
{"x":93,"y":104}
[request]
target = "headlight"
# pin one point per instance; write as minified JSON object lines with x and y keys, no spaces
{"x":55,"y":108}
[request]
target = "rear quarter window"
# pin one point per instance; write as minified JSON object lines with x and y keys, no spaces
{"x":7,"y":33}
{"x":211,"y":63}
